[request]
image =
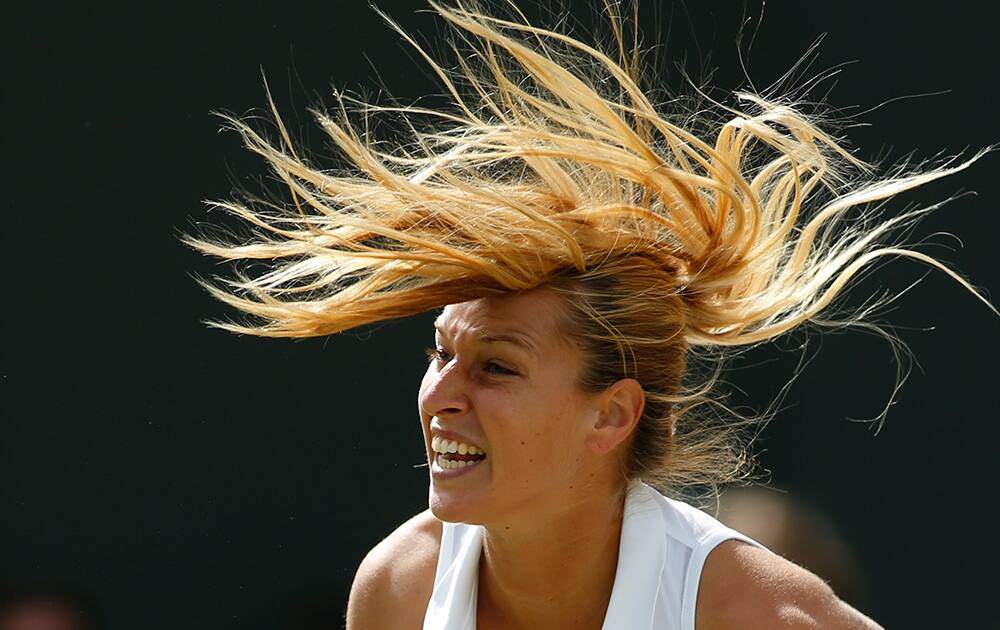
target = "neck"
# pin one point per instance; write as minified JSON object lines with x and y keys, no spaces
{"x":555,"y":569}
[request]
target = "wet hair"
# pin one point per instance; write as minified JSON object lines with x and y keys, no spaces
{"x":676,"y":235}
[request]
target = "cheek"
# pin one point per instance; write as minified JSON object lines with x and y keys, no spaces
{"x":542,"y":436}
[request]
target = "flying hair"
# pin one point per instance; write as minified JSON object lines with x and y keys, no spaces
{"x":553,"y":166}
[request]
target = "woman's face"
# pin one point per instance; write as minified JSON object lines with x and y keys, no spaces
{"x":503,"y":380}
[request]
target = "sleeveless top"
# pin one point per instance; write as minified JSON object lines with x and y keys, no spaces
{"x":663,"y":547}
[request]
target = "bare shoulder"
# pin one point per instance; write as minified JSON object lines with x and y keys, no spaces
{"x":394,"y":581}
{"x":746,"y":587}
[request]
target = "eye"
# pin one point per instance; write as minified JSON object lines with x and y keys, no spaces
{"x":439,"y":356}
{"x":435,"y":354}
{"x":496,"y":368}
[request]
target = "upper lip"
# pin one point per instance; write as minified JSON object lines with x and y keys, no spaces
{"x":451,"y":435}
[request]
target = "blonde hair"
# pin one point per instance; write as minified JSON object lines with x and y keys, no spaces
{"x":553,"y":167}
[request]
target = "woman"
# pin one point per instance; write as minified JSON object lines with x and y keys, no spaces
{"x":592,"y":256}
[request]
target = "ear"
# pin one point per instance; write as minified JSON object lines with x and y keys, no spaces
{"x":621,"y":407}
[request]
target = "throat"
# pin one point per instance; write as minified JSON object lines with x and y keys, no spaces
{"x":559,"y":576}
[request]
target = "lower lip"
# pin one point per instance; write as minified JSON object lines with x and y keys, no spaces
{"x":448,"y":473}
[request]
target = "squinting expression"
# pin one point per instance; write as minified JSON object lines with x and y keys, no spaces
{"x":502,"y":380}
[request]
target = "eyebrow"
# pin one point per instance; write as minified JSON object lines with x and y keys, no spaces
{"x":517,"y":340}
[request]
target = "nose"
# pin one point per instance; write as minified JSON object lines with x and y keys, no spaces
{"x":443,"y":391}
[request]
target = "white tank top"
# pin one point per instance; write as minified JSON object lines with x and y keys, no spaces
{"x":663,"y":547}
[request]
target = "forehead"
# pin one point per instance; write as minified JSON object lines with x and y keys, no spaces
{"x":534,"y":313}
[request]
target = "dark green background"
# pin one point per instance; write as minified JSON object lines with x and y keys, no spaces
{"x":196,"y":479}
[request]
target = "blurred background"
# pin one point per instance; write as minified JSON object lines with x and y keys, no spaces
{"x":172,"y":476}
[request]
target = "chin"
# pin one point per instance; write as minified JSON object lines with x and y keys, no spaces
{"x":454,"y":506}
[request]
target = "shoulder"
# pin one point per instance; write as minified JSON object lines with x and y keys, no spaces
{"x":746,"y":587}
{"x":395,"y":580}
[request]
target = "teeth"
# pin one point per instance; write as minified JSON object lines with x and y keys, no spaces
{"x":451,"y":464}
{"x":439,"y":445}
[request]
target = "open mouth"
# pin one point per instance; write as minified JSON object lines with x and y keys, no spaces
{"x":451,"y":454}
